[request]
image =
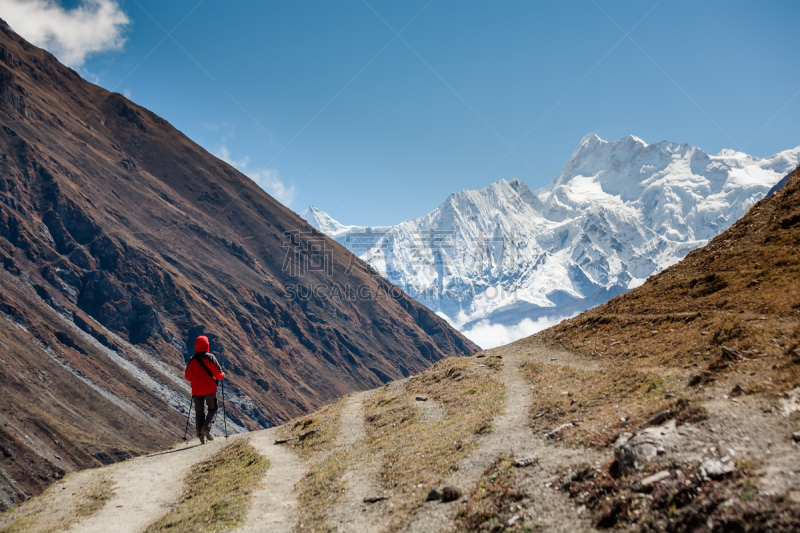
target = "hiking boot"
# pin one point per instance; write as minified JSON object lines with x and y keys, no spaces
{"x":202,"y":438}
{"x":207,"y":433}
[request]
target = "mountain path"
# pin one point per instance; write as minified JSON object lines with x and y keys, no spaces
{"x":512,"y":436}
{"x":146,"y":488}
{"x":361,"y":479}
{"x":273,"y":506}
{"x":351,"y":421}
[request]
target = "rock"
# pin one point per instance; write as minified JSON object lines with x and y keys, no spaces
{"x":716,"y":468}
{"x":737,"y":390}
{"x":450,"y":494}
{"x":433,"y":496}
{"x":422,"y":398}
{"x":513,"y":520}
{"x":655,"y":478}
{"x":375,"y":499}
{"x":557,"y":430}
{"x":796,"y":436}
{"x":283,"y":441}
{"x":658,"y":419}
{"x":730,"y":354}
{"x":308,"y":434}
{"x":58,"y":457}
{"x":633,"y":452}
{"x":581,"y":510}
{"x":527,"y":461}
{"x":7,"y":453}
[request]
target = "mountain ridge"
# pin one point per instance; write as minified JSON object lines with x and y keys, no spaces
{"x":121,"y":240}
{"x":614,"y":215}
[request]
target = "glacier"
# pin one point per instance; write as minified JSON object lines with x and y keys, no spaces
{"x":616,"y":213}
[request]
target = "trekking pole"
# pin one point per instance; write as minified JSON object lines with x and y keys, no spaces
{"x":189,"y":414}
{"x":224,"y":416}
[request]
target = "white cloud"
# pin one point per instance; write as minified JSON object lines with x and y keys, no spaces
{"x":488,"y":335}
{"x":70,"y":34}
{"x":223,"y":153}
{"x":267,"y":178}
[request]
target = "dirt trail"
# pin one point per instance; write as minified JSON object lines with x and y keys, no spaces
{"x":512,"y":436}
{"x":273,"y":506}
{"x":351,"y":421}
{"x":362,"y":476}
{"x":534,"y":350}
{"x":146,"y":487}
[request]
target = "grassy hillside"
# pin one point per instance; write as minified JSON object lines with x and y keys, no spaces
{"x":736,"y":300}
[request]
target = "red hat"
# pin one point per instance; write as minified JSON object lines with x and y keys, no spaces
{"x":201,"y":344}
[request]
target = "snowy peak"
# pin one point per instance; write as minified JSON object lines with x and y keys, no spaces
{"x":323,"y":221}
{"x":617,"y":213}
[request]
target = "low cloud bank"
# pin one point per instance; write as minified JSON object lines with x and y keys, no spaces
{"x":488,"y":335}
{"x":71,"y":35}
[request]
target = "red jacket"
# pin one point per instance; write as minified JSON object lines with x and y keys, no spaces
{"x":202,"y":383}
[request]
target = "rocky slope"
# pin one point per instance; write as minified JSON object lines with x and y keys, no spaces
{"x":617,"y":213}
{"x":121,"y":240}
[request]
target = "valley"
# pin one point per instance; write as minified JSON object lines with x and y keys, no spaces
{"x":618,"y":349}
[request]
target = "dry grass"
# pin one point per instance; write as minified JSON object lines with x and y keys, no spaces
{"x":217,"y":491}
{"x":321,"y":487}
{"x":492,"y":502}
{"x":596,"y":401}
{"x":60,"y":506}
{"x":322,"y":426}
{"x":417,"y":454}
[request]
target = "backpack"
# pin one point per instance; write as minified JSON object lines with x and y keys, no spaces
{"x":199,"y":359}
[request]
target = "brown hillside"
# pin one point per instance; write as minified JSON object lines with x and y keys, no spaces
{"x":121,"y":240}
{"x":735,"y":300}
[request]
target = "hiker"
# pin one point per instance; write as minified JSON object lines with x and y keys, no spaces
{"x":203,"y":371}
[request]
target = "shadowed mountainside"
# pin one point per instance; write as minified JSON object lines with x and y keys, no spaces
{"x":122,"y":240}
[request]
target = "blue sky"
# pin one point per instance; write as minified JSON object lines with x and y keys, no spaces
{"x":324,"y":103}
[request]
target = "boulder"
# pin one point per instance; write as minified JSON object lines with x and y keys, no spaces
{"x":633,"y":452}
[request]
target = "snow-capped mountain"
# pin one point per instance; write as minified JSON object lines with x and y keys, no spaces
{"x":617,"y":213}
